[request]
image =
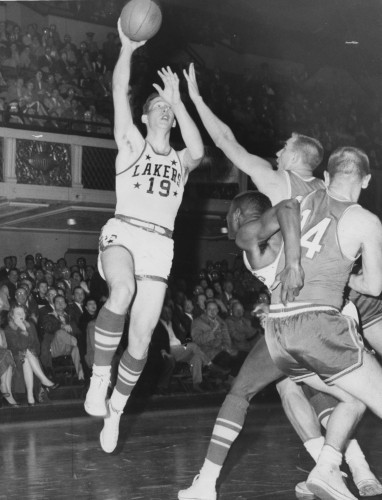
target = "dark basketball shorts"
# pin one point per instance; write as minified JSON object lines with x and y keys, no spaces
{"x":152,"y":253}
{"x":304,"y":340}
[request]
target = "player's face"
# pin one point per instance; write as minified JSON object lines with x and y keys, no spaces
{"x":160,"y":113}
{"x":284,"y":156}
{"x":232,"y":224}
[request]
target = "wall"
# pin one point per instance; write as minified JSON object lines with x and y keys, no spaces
{"x":52,"y":245}
{"x":190,"y":255}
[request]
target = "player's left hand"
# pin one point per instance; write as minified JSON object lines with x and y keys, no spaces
{"x":170,"y":93}
{"x":292,"y":280}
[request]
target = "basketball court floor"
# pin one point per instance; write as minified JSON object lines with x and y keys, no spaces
{"x":159,"y":453}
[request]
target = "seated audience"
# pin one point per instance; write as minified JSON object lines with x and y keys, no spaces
{"x":22,"y":341}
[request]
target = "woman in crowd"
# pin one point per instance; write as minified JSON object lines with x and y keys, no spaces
{"x":6,"y":369}
{"x":22,"y":340}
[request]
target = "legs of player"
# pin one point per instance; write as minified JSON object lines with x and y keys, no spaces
{"x":363,"y":477}
{"x":299,"y":411}
{"x":257,"y":371}
{"x":118,"y":268}
{"x":326,"y":480}
{"x":144,"y":317}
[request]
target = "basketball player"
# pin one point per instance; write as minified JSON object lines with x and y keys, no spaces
{"x":257,"y":372}
{"x":318,"y":343}
{"x":136,"y":247}
{"x":296,"y":161}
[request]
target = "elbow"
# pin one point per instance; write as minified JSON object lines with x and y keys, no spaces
{"x":291,"y":204}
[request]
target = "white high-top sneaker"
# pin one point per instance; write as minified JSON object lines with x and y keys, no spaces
{"x":109,"y":434}
{"x":95,"y":402}
{"x":199,"y":490}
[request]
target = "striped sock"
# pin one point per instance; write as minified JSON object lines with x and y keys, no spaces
{"x":129,"y":371}
{"x":227,"y":427}
{"x":108,"y":333}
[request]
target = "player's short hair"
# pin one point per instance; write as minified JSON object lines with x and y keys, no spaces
{"x":309,"y":149}
{"x":348,"y":160}
{"x":251,"y":202}
{"x":146,"y":106}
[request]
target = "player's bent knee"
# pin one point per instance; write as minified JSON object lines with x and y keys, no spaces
{"x":121,"y":294}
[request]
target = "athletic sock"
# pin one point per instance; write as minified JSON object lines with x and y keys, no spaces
{"x":330,"y":456}
{"x":209,"y":473}
{"x":356,"y":461}
{"x":108,"y":332}
{"x":227,"y":427}
{"x":129,"y":371}
{"x":314,"y":447}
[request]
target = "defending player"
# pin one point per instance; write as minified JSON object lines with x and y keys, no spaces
{"x":296,"y":161}
{"x":136,"y":248}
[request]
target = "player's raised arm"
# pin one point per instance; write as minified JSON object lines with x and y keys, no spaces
{"x":366,"y":229}
{"x":266,"y":179}
{"x":194,"y":151}
{"x":125,"y":132}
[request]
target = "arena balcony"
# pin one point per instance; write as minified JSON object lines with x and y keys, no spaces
{"x":61,"y":182}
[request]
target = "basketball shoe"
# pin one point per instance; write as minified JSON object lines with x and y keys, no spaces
{"x":199,"y":490}
{"x":95,"y":402}
{"x":110,"y":432}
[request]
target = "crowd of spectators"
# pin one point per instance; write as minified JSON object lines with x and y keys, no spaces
{"x":47,"y":80}
{"x":48,"y":312}
{"x":42,"y":72}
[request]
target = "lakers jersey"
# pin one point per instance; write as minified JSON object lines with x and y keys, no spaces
{"x":151,"y":189}
{"x":299,"y":186}
{"x":326,"y":268}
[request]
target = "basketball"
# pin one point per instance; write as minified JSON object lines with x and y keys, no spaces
{"x":141,"y":19}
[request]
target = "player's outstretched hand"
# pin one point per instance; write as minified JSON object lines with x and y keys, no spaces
{"x":170,"y":92}
{"x":125,"y":40}
{"x":292,"y":280}
{"x":193,"y":88}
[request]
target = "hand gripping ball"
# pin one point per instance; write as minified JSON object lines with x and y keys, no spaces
{"x":141,"y":19}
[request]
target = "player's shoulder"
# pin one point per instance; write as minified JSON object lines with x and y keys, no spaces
{"x":358,"y":218}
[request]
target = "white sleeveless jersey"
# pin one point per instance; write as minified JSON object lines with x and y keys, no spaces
{"x":151,"y":189}
{"x":266,"y":274}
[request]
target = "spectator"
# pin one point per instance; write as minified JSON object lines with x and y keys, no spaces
{"x":200,"y":305}
{"x":60,"y":337}
{"x":11,"y":282}
{"x":40,"y":295}
{"x":6,"y":268}
{"x":29,"y":267}
{"x":182,"y":320}
{"x":87,"y":351}
{"x":210,"y":333}
{"x":188,"y":352}
{"x":243,"y":334}
{"x":24,"y":299}
{"x":7,"y":365}
{"x":76,"y":308}
{"x":22,"y":341}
